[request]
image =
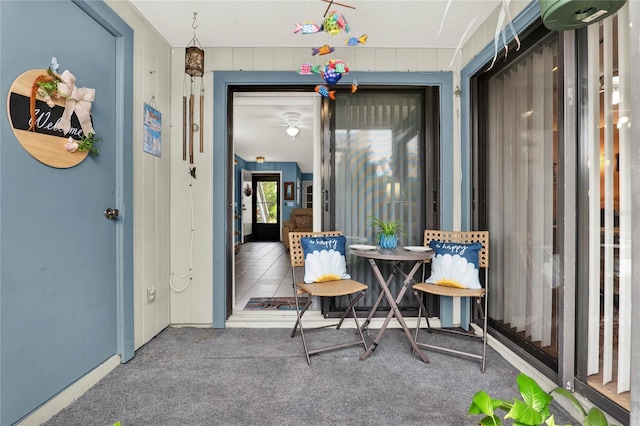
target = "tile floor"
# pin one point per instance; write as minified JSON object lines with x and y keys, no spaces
{"x":262,"y":269}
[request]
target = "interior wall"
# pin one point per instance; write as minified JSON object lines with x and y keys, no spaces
{"x":152,"y":177}
{"x":195,"y":304}
{"x":162,"y":241}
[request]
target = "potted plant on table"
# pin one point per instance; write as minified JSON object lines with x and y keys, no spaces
{"x":388,"y":231}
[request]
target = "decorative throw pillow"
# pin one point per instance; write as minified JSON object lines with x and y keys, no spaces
{"x":303,"y":221}
{"x":324,"y":259}
{"x":455,"y":264}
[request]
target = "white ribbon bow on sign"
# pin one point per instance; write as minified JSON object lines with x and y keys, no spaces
{"x":78,"y":101}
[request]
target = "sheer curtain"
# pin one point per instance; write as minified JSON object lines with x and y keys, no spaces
{"x":377,"y":170}
{"x":522,"y":161}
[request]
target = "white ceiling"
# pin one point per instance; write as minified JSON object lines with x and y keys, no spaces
{"x":270,"y":23}
{"x":259,"y":127}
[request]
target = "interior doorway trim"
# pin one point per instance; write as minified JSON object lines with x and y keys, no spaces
{"x":223,"y":154}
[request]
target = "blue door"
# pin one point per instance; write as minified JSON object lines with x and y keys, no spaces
{"x":62,"y":275}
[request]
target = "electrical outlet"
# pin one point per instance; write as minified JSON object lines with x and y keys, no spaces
{"x":151,"y":294}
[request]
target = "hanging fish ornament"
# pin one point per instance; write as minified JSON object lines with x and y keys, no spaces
{"x":331,"y":76}
{"x":307,"y":27}
{"x":324,"y":91}
{"x":338,"y":65}
{"x":324,"y":50}
{"x":308,"y":69}
{"x":354,"y":86}
{"x":333,"y":71}
{"x":305,"y":69}
{"x":354,"y":41}
{"x":334,"y":23}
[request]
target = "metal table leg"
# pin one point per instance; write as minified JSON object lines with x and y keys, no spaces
{"x":395,"y":311}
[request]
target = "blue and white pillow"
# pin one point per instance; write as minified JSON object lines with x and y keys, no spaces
{"x":324,"y":259}
{"x":455,"y":265}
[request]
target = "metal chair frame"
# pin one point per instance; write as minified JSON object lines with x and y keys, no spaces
{"x":351,"y":288}
{"x":480,"y":295}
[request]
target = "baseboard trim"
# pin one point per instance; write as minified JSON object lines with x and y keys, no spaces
{"x":286,"y":319}
{"x":70,"y":394}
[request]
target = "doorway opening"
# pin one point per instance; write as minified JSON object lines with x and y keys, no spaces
{"x":265,"y":203}
{"x":274,"y":165}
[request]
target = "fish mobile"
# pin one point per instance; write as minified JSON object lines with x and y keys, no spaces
{"x":333,"y":24}
{"x":323,"y":50}
{"x":324,"y":91}
{"x":331,"y":72}
{"x":354,"y":41}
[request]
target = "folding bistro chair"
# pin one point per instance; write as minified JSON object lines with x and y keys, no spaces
{"x":342,"y":287}
{"x":479,"y":295}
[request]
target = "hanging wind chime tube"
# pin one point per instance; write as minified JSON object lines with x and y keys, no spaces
{"x":194,"y":67}
{"x":201,"y":116}
{"x":191,"y":124}
{"x":184,"y":128}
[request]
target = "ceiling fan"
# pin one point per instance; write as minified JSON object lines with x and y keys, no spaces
{"x":292,"y":123}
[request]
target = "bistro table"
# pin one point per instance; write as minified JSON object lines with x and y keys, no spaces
{"x":398,"y":256}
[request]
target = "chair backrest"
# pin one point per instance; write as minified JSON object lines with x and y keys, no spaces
{"x":464,"y":237}
{"x":295,"y":248}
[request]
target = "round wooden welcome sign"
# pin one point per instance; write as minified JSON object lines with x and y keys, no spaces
{"x":46,"y":142}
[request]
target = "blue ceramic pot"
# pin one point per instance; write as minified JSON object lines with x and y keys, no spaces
{"x":388,"y":241}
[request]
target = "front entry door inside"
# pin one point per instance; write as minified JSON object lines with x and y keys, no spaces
{"x":266,"y":207}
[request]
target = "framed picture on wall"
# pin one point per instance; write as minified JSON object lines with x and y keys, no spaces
{"x":152,"y":131}
{"x":289,"y":195}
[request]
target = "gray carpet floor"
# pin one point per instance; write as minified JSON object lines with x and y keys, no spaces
{"x":194,"y":376}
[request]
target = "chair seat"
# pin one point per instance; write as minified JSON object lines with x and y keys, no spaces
{"x":354,"y":290}
{"x":441,"y":290}
{"x":332,"y":288}
{"x":478,"y":295}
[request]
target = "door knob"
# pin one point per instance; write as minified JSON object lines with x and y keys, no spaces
{"x":111,"y":213}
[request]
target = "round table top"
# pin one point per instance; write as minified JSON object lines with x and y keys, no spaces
{"x":398,"y":253}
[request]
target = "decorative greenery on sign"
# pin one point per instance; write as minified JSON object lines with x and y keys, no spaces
{"x":46,"y":87}
{"x":86,"y":143}
{"x":52,"y":86}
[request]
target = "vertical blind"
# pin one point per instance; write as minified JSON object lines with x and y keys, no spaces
{"x":522,"y":162}
{"x":377,"y":171}
{"x":609,"y":138}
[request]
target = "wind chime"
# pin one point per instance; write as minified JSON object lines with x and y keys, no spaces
{"x":194,"y":67}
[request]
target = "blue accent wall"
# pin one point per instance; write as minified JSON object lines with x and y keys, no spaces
{"x":290,"y":172}
{"x":222,"y":80}
{"x":53,"y":331}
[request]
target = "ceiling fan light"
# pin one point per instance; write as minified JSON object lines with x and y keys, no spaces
{"x":292,"y":130}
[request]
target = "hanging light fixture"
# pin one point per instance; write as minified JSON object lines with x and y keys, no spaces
{"x":194,"y":67}
{"x":292,"y":130}
{"x":292,"y":121}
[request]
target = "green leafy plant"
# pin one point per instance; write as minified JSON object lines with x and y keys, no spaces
{"x":87,"y":143}
{"x":533,"y":409}
{"x":390,"y":227}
